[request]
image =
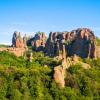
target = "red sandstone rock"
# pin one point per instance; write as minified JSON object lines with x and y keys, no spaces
{"x":39,"y":41}
{"x":59,"y":75}
{"x":18,"y":41}
{"x":84,"y":44}
{"x":80,"y":42}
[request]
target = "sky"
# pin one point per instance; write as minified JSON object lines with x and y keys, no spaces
{"x":31,"y":16}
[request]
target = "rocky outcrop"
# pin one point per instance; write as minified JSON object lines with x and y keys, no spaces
{"x":39,"y":41}
{"x":65,"y":46}
{"x":60,"y":71}
{"x":81,"y":42}
{"x":18,"y":41}
{"x":84,"y":44}
{"x":59,"y":76}
{"x":18,"y":45}
{"x":55,"y":44}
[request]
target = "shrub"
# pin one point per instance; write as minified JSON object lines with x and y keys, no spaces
{"x":74,"y":68}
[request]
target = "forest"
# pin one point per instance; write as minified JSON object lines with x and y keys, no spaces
{"x":24,"y":80}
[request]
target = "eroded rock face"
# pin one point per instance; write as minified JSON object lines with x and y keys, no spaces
{"x":81,"y":42}
{"x":56,"y":44}
{"x":18,"y":45}
{"x":39,"y":41}
{"x":18,"y":41}
{"x":59,"y":76}
{"x":84,"y":44}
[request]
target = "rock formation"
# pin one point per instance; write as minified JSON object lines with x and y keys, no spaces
{"x":84,"y":44}
{"x":18,"y":41}
{"x":55,"y":44}
{"x":59,"y":71}
{"x":81,"y":42}
{"x":65,"y":46}
{"x":18,"y":45}
{"x":59,"y":76}
{"x":39,"y":41}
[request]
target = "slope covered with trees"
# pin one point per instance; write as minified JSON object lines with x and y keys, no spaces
{"x":24,"y":80}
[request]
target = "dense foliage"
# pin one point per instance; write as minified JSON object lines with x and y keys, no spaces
{"x":23,"y":80}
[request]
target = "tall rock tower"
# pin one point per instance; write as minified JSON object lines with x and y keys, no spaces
{"x":17,"y":40}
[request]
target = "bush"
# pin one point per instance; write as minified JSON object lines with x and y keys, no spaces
{"x":74,"y":68}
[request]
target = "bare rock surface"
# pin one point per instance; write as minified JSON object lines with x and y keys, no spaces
{"x":39,"y":41}
{"x":59,"y":75}
{"x":81,"y":42}
{"x":17,"y":40}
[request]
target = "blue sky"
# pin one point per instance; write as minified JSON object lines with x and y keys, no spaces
{"x":29,"y":16}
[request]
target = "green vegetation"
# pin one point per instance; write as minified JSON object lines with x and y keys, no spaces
{"x":8,"y":59}
{"x":98,"y":41}
{"x":2,"y":45}
{"x":23,"y":80}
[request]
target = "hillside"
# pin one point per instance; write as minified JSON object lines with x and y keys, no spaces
{"x":64,"y":66}
{"x":24,"y":80}
{"x":49,"y":49}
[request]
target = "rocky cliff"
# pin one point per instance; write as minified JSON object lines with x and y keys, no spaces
{"x":62,"y":45}
{"x":81,"y":42}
